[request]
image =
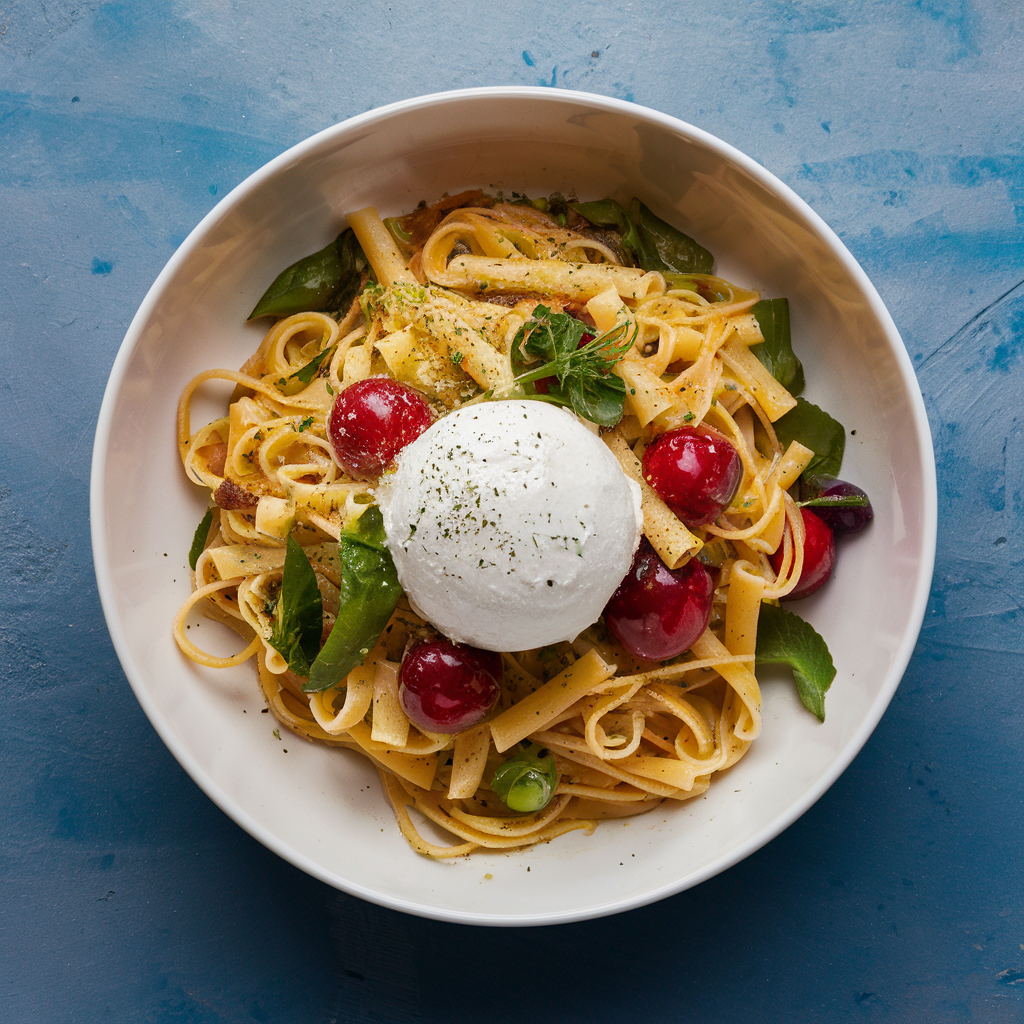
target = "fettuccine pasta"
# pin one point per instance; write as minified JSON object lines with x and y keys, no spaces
{"x":445,"y":293}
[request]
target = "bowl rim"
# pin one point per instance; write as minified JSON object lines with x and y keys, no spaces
{"x":296,"y":153}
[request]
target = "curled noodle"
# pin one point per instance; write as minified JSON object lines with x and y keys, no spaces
{"x":626,"y":735}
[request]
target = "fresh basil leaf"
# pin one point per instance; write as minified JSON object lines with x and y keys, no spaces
{"x":369,"y":592}
{"x":354,"y":268}
{"x":368,"y":530}
{"x":315,"y":281}
{"x":814,"y":428}
{"x":607,"y":213}
{"x":665,"y":248}
{"x":776,"y":352}
{"x":783,"y":638}
{"x":299,"y":619}
{"x":199,"y":538}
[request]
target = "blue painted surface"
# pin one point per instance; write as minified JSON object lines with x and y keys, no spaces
{"x":127,"y":896}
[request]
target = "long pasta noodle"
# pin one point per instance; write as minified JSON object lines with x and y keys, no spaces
{"x":448,"y":294}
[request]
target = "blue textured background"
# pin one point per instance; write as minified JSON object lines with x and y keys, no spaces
{"x":127,"y":896}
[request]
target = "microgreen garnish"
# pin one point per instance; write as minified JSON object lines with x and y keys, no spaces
{"x":582,"y":371}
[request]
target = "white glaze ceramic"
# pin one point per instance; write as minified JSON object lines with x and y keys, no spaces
{"x":322,"y":809}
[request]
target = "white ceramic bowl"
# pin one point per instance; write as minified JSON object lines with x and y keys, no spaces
{"x":322,"y":809}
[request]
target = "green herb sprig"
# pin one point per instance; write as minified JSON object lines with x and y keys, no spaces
{"x":585,"y":382}
{"x":836,"y":501}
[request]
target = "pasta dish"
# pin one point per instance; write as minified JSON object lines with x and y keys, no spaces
{"x":667,"y":390}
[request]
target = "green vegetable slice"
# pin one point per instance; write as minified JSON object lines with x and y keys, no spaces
{"x":299,"y":614}
{"x":526,"y":782}
{"x":369,"y":592}
{"x":776,"y":352}
{"x":814,"y":428}
{"x":783,"y":638}
{"x":199,"y":538}
{"x":319,"y":281}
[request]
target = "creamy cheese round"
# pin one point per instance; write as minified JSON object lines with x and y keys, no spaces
{"x":510,"y":524}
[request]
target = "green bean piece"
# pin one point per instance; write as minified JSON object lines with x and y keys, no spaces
{"x":398,"y":233}
{"x":319,"y":281}
{"x":526,"y":782}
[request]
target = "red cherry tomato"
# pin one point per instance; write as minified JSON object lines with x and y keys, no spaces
{"x":447,"y":687}
{"x":372,"y":421}
{"x":657,"y":612}
{"x":819,"y":557}
{"x":695,"y":471}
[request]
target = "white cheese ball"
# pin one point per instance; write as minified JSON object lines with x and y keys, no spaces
{"x":511,"y":524}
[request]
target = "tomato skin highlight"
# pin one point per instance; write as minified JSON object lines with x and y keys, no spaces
{"x":447,"y":687}
{"x":695,"y":471}
{"x":371,"y":421}
{"x":657,"y":612}
{"x":819,"y":557}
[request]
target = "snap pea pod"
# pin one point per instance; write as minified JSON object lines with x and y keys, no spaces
{"x":526,"y":782}
{"x":325,"y":280}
